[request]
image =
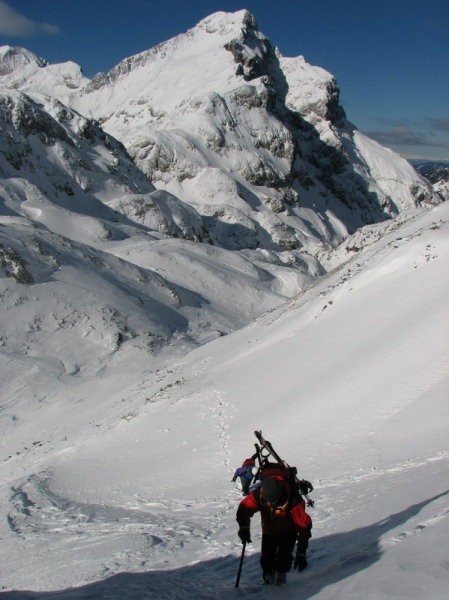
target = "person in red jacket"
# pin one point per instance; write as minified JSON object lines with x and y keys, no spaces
{"x":284,"y":523}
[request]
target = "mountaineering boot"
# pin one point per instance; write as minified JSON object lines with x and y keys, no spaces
{"x":280,"y":578}
{"x":268,"y":577}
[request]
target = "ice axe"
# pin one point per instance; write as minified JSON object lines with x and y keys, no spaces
{"x":239,"y":572}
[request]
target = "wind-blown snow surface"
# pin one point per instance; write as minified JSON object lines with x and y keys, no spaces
{"x":123,"y":490}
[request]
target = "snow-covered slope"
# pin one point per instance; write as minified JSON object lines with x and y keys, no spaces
{"x":145,"y":215}
{"x":123,"y":486}
{"x":64,"y":184}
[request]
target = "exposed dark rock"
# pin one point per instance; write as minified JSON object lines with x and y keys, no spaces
{"x":32,"y":119}
{"x":14,"y":266}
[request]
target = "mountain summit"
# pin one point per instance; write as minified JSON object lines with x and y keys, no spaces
{"x":255,"y":142}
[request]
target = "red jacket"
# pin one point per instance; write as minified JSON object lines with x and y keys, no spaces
{"x":288,"y":518}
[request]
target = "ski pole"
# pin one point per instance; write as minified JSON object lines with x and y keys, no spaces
{"x":237,"y":581}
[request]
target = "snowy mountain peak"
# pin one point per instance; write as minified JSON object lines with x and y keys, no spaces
{"x":253,"y":144}
{"x":22,"y":70}
{"x":227,"y":23}
{"x":216,"y":30}
{"x":16,"y":58}
{"x":218,"y":107}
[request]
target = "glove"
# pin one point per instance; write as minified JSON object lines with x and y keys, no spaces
{"x":305,"y":487}
{"x":245,"y":535}
{"x":300,"y":562}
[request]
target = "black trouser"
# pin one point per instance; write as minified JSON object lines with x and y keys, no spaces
{"x":277,"y":552}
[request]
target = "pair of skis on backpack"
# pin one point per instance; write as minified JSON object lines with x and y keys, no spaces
{"x":262,"y":465}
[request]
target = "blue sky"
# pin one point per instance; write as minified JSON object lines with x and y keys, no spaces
{"x":390,"y":57}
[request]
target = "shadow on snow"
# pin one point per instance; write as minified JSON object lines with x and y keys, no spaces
{"x":332,"y":559}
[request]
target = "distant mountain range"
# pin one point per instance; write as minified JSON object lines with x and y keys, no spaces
{"x":437,"y":172}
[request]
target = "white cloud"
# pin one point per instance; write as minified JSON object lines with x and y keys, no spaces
{"x":14,"y":24}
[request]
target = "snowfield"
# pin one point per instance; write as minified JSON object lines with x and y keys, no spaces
{"x":125,"y":492}
{"x":193,"y":246}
